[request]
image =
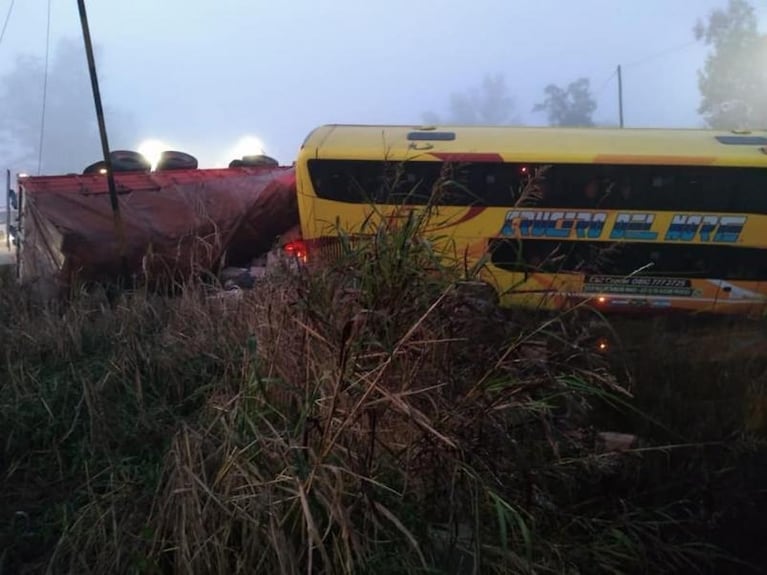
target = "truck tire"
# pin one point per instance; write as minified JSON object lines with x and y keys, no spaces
{"x":122,"y":161}
{"x":259,"y":160}
{"x":172,"y":160}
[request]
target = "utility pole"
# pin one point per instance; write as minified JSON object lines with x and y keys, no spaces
{"x":620,"y":95}
{"x":8,"y":209}
{"x":103,"y":133}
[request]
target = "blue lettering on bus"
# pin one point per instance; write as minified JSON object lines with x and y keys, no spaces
{"x":708,"y":227}
{"x":554,"y":225}
{"x":728,"y":233}
{"x":717,"y":229}
{"x":627,"y":227}
{"x":634,"y":227}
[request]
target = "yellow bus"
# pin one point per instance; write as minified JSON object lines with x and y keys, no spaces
{"x":622,"y":219}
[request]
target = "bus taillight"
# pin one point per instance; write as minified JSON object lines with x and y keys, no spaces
{"x":296,"y":249}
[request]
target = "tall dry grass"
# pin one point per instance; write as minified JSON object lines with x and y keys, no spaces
{"x":367,"y":416}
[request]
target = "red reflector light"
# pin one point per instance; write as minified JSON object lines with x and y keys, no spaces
{"x":296,"y":249}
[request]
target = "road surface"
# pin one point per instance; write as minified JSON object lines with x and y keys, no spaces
{"x":7,"y":257}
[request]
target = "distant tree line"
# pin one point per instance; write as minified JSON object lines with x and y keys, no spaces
{"x":491,"y":104}
{"x":732,"y":82}
{"x":70,"y":138}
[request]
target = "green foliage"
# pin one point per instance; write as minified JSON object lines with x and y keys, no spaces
{"x":570,"y":106}
{"x":733,"y":81}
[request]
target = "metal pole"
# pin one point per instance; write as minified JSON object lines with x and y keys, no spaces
{"x":8,"y":209}
{"x":103,"y":132}
{"x":620,"y":95}
{"x":19,"y":226}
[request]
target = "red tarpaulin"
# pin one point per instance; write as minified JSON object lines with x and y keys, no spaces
{"x":174,"y":221}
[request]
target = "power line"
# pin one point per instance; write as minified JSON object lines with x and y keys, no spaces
{"x":45,"y":90}
{"x":639,"y":62}
{"x":604,"y":84}
{"x":7,"y":19}
{"x":644,"y":60}
{"x":656,"y":55}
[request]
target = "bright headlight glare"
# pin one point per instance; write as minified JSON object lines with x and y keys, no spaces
{"x":152,"y":150}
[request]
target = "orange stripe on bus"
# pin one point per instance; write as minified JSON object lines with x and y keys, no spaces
{"x":654,"y":160}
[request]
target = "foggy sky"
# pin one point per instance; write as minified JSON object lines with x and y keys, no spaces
{"x":201,"y":74}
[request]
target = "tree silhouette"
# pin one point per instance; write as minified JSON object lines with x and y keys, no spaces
{"x":70,"y":136}
{"x":487,"y":104}
{"x":570,"y":106}
{"x":733,"y":82}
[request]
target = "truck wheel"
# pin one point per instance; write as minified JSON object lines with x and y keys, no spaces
{"x":129,"y":161}
{"x":259,"y":160}
{"x":122,"y":161}
{"x":172,"y":160}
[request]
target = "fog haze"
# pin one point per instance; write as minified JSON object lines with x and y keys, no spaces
{"x":201,"y":75}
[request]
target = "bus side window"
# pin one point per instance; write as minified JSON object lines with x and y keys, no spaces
{"x":497,"y":188}
{"x":753,"y":191}
{"x":560,"y":189}
{"x":625,"y":193}
{"x":619,"y":195}
{"x":591,"y":193}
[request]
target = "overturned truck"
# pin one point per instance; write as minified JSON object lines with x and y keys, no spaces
{"x":171,"y":224}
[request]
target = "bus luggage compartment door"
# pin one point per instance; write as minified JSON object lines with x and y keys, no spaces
{"x":740,"y":298}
